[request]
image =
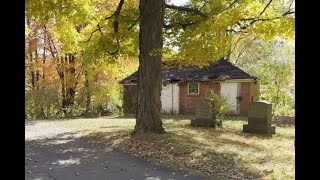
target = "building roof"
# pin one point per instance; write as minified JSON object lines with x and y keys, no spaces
{"x":216,"y":71}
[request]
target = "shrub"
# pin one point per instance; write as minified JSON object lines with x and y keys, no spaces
{"x":219,"y":108}
{"x":41,"y":104}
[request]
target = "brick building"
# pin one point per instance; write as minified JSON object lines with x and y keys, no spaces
{"x":182,"y":88}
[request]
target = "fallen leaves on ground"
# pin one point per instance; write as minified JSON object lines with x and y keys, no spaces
{"x":226,"y":152}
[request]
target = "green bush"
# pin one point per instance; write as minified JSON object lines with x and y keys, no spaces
{"x":42,"y":104}
{"x":219,"y":108}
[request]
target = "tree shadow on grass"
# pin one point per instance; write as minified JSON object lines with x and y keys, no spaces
{"x":111,"y":127}
{"x":126,"y":116}
{"x":209,"y":160}
{"x":182,"y":151}
{"x":163,"y":116}
{"x":176,"y":117}
{"x":187,"y":140}
{"x":182,"y":147}
{"x":238,"y":132}
{"x":214,"y":132}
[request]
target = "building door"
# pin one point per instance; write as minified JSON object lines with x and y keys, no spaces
{"x":231,"y":91}
{"x":170,"y":98}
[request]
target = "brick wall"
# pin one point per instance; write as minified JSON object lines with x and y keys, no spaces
{"x":188,"y":102}
{"x":255,"y":91}
{"x":130,"y":99}
{"x":246,"y":99}
{"x":250,"y":92}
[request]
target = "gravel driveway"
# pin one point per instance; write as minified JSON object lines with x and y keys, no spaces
{"x":57,"y":153}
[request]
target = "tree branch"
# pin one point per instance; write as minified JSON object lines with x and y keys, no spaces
{"x":186,"y":9}
{"x":291,"y":4}
{"x":99,"y":28}
{"x":184,"y":25}
{"x":244,"y":49}
{"x":134,"y":23}
{"x":114,"y":52}
{"x":231,"y":4}
{"x":236,"y":43}
{"x":257,"y":19}
{"x":288,"y":12}
{"x":115,"y":22}
{"x":265,"y":7}
{"x":232,"y":30}
{"x":117,"y":12}
{"x":91,"y":35}
{"x":51,"y":43}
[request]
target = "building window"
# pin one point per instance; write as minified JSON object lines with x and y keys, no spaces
{"x":193,"y":88}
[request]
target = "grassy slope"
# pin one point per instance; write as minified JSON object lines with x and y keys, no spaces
{"x":224,"y":152}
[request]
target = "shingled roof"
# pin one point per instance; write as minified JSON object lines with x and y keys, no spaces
{"x":216,"y":71}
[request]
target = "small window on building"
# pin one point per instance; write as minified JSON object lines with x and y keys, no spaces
{"x":193,"y":88}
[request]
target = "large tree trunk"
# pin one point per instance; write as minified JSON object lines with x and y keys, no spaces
{"x":149,"y":84}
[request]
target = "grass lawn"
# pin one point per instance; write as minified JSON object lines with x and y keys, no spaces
{"x":225,"y":152}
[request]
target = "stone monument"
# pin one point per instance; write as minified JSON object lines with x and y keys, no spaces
{"x":203,"y":115}
{"x":259,"y":118}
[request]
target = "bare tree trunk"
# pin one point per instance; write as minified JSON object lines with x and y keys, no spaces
{"x":63,"y":87}
{"x":149,"y":83}
{"x":37,"y":70}
{"x":32,"y":72}
{"x":88,"y":94}
{"x":71,"y":80}
{"x":63,"y":94}
{"x":31,"y":58}
{"x":44,"y":54}
{"x":66,"y":71}
{"x":36,"y":60}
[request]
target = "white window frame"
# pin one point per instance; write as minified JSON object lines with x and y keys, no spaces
{"x":198,"y":89}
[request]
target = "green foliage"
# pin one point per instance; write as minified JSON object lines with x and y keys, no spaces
{"x":42,"y":104}
{"x":277,"y":86}
{"x":211,"y":37}
{"x":61,"y":18}
{"x":219,"y":107}
{"x":273,"y":64}
{"x":87,"y":28}
{"x":70,"y":26}
{"x":104,"y":89}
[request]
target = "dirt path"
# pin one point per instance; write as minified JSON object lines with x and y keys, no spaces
{"x":57,"y":153}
